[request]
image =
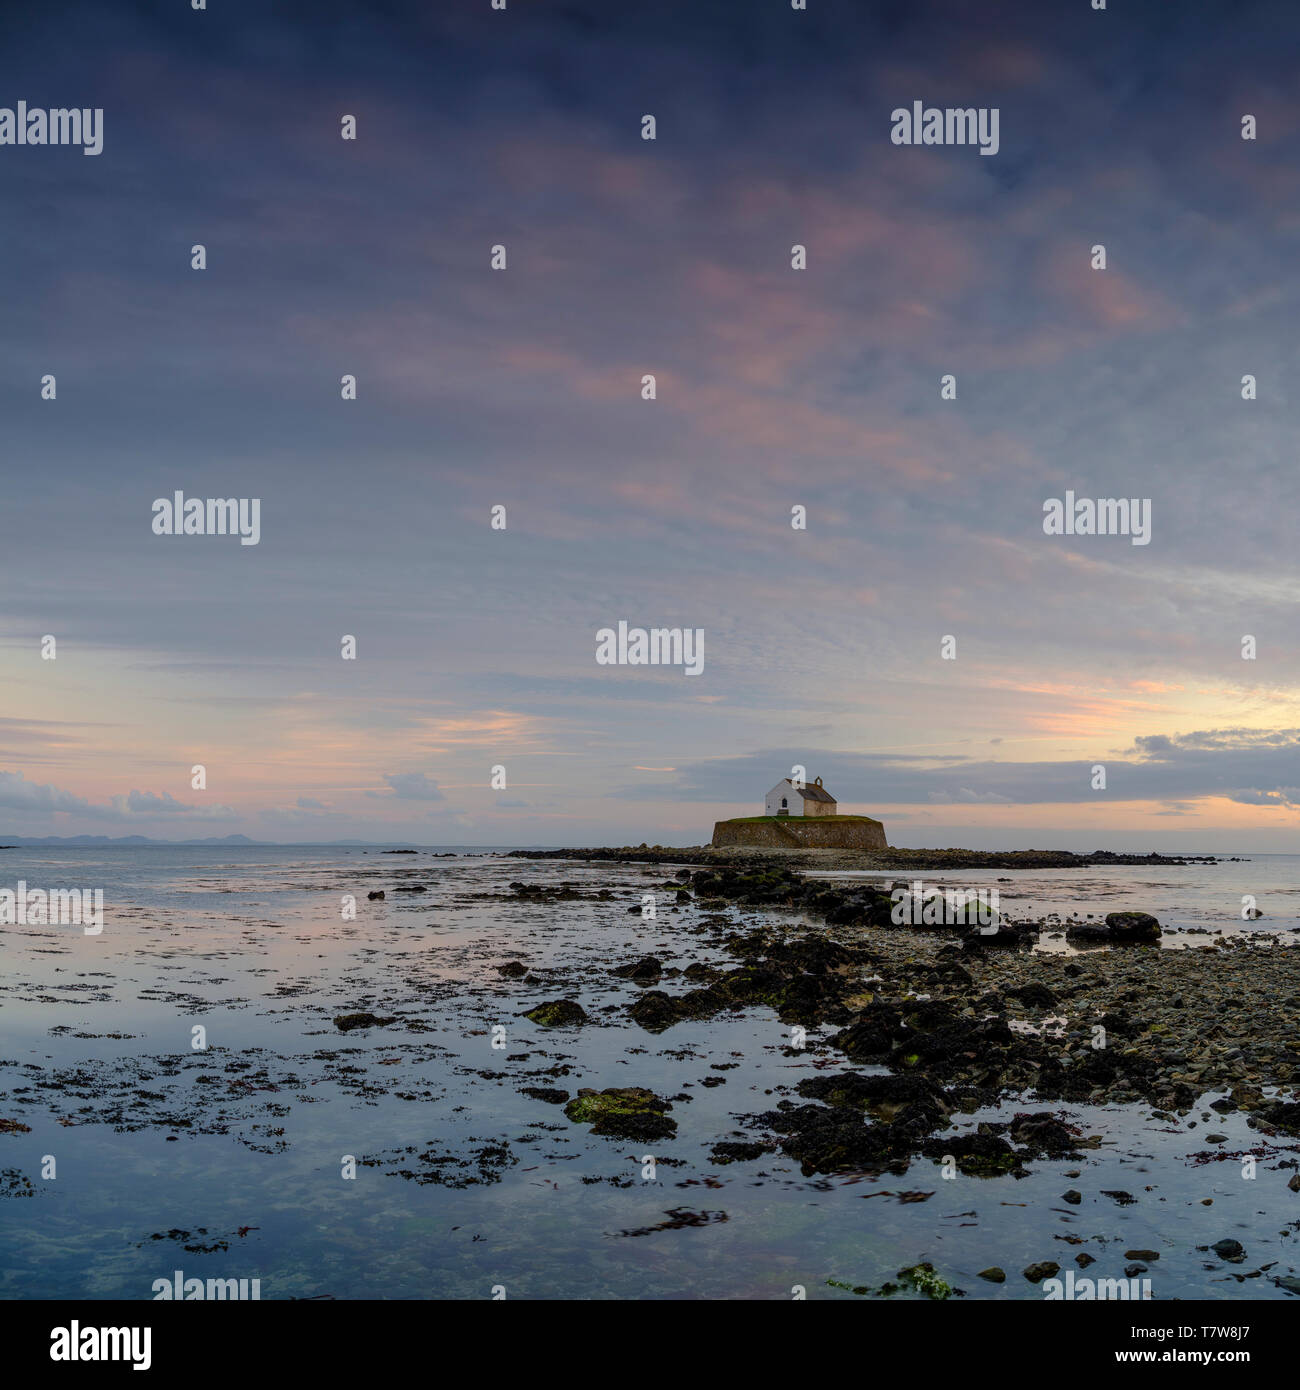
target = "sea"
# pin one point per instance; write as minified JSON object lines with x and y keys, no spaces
{"x":175,"y":1096}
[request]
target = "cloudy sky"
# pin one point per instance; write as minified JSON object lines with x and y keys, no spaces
{"x":776,"y":388}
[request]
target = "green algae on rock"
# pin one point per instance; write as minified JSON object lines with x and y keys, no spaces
{"x":558,"y":1013}
{"x":920,"y":1279}
{"x":623,"y":1112}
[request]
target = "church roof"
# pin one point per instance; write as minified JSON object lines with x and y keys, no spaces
{"x":811,"y":791}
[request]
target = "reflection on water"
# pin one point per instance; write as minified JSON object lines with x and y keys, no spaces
{"x":227,"y":1161}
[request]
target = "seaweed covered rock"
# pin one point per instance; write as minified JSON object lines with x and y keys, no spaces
{"x":976,"y":1155}
{"x":345,"y":1023}
{"x":646,"y":970}
{"x":814,"y":953}
{"x":654,"y":1010}
{"x":731,"y":1152}
{"x":1106,"y":1070}
{"x":623,"y":1112}
{"x":808,"y":980}
{"x":769,"y":884}
{"x":697,"y":970}
{"x":907,"y":1100}
{"x":550,"y":1095}
{"x":1043,"y":1135}
{"x":833,"y":1139}
{"x":952,"y":1045}
{"x":870,"y":1037}
{"x":920,"y":1279}
{"x":868,"y":907}
{"x":1279,"y":1114}
{"x":558,"y":1013}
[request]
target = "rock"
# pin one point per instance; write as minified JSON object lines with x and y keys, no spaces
{"x":623,"y":1112}
{"x":346,"y":1022}
{"x":1073,"y":1197}
{"x":1002,"y":934}
{"x":1246,"y":1098}
{"x":942,"y":1043}
{"x":376,"y":896}
{"x":977,"y":1155}
{"x":1229,"y":1249}
{"x":550,"y":1094}
{"x":832,"y":1139}
{"x":699,"y":971}
{"x":1083,"y":1260}
{"x":728,"y":1152}
{"x":994,"y":1275}
{"x":1132,"y":926}
{"x":1033,"y":996}
{"x":1147,"y":1255}
{"x":1044,"y":1135}
{"x":1119,"y":929}
{"x":654,"y":1011}
{"x":1133,"y":1270}
{"x":1118,"y":1023}
{"x":558,"y":1013}
{"x":1045,"y":1269}
{"x":868,"y":907}
{"x":513,"y":970}
{"x":1280,"y":1114}
{"x":870,"y":1038}
{"x":805,"y":981}
{"x":1294,"y":1184}
{"x":901,"y":1100}
{"x":646,"y":969}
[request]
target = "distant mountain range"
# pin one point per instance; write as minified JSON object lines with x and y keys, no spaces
{"x":55,"y":840}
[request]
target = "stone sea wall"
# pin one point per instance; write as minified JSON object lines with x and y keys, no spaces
{"x":798,"y":832}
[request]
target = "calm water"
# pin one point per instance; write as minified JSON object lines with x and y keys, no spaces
{"x":237,"y":1151}
{"x":1196,"y":898}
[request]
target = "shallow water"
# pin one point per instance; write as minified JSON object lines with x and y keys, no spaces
{"x":1194,"y":898}
{"x":152,"y":1136}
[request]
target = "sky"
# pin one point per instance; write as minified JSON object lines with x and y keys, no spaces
{"x":775,"y":388}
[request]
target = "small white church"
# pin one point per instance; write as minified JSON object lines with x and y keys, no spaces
{"x":788,"y":798}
